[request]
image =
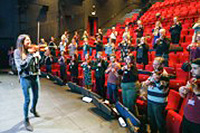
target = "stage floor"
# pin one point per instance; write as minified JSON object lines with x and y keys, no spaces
{"x":61,"y":111}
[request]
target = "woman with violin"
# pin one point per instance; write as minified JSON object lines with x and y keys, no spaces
{"x":87,"y":68}
{"x":73,"y":68}
{"x":27,"y":63}
{"x":175,"y":31}
{"x":129,"y":83}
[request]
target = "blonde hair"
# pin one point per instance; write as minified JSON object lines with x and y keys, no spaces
{"x":161,"y":60}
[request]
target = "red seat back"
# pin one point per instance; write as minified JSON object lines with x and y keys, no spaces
{"x":173,"y":122}
{"x":173,"y":100}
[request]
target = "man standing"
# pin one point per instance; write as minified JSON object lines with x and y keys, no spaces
{"x":157,"y":93}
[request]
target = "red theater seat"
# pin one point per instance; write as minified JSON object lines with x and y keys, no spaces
{"x":181,"y":78}
{"x":143,"y":77}
{"x":173,"y":100}
{"x":173,"y":122}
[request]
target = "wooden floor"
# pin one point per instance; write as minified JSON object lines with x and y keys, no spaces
{"x":61,"y":111}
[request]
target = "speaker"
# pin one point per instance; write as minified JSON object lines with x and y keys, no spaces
{"x":42,"y":17}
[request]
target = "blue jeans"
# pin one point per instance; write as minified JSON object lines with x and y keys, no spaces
{"x":27,"y":83}
{"x":48,"y":68}
{"x":112,"y":91}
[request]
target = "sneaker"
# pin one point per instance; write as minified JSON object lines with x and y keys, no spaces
{"x":34,"y":113}
{"x":28,"y":125}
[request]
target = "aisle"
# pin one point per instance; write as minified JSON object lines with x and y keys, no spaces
{"x":61,"y":111}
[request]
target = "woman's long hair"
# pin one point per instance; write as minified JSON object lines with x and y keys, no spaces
{"x":20,"y":43}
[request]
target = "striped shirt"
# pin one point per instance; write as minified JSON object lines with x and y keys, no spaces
{"x":158,"y":93}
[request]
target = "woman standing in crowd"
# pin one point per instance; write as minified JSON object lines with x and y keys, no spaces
{"x":85,"y":35}
{"x":109,"y":48}
{"x":175,"y":31}
{"x":76,"y":37}
{"x":142,"y":52}
{"x":86,"y":47}
{"x":73,"y":68}
{"x":124,"y":46}
{"x":66,"y":36}
{"x":25,"y":59}
{"x":62,"y":44}
{"x":99,"y":45}
{"x":162,"y":46}
{"x":126,"y":35}
{"x":62,"y":62}
{"x":113,"y":79}
{"x":87,"y":67}
{"x":113,"y":35}
{"x":100,"y":66}
{"x":129,"y":83}
{"x":191,"y":118}
{"x":156,"y":32}
{"x":100,"y":34}
{"x":139,"y":31}
{"x":48,"y":60}
{"x":72,"y":47}
{"x":52,"y":46}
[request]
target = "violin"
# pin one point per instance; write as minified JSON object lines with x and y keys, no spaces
{"x":33,"y":48}
{"x":195,"y":81}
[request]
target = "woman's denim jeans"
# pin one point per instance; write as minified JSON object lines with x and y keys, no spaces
{"x":113,"y":92}
{"x":27,"y":83}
